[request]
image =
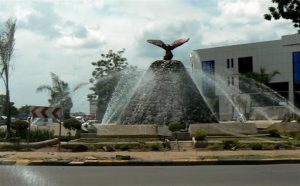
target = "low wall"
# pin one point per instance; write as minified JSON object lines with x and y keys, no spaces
{"x":286,"y":126}
{"x":126,"y":130}
{"x":224,"y":129}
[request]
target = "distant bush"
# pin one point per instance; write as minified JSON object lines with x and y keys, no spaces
{"x":274,"y":133}
{"x":256,"y":146}
{"x":124,"y":147}
{"x":230,"y":144}
{"x":175,"y":126}
{"x":72,"y":124}
{"x":79,"y":148}
{"x":199,"y":135}
{"x":155,"y":147}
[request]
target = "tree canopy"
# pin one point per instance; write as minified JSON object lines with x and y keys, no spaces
{"x":106,"y":76}
{"x":286,"y":9}
{"x":108,"y":64}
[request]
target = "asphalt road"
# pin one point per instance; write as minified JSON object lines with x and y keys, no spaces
{"x":237,"y":175}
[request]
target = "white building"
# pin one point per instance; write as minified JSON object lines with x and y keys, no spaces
{"x":229,"y":62}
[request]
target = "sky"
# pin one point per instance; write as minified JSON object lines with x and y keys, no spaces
{"x":65,"y":36}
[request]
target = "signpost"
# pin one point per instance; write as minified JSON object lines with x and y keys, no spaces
{"x":46,"y":112}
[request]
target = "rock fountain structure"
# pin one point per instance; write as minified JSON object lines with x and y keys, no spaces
{"x":167,"y":93}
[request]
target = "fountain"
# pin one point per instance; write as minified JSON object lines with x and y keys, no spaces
{"x":164,"y":94}
{"x":167,"y":94}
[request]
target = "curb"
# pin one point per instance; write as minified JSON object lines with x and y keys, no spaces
{"x":26,"y":162}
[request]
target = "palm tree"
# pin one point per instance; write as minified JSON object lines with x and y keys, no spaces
{"x":60,"y":94}
{"x":262,"y":76}
{"x":7,"y":42}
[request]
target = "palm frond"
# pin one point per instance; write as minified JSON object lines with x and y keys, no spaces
{"x":44,"y":88}
{"x":78,"y":86}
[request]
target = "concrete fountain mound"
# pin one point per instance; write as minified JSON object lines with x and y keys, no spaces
{"x":167,"y":94}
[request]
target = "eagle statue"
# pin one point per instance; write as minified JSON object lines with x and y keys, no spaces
{"x":168,"y":48}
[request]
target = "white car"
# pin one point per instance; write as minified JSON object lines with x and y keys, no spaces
{"x":87,"y":124}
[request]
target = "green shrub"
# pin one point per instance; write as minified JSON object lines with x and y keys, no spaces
{"x":124,"y":147}
{"x":230,"y":144}
{"x":2,"y":133}
{"x":155,"y":147}
{"x":295,"y":135}
{"x":175,"y":126}
{"x":199,"y":135}
{"x":79,"y":148}
{"x":274,"y":133}
{"x":257,"y":146}
{"x":20,"y":125}
{"x":298,"y":119}
{"x":72,"y":124}
{"x":268,"y":147}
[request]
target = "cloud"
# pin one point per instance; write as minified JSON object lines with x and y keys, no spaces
{"x":74,"y":36}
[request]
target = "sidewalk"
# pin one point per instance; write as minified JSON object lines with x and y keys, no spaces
{"x":151,"y":158}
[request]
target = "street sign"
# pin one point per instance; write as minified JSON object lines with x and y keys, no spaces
{"x":45,"y":112}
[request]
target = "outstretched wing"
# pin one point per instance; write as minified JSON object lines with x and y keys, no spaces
{"x":179,"y":42}
{"x":157,"y":43}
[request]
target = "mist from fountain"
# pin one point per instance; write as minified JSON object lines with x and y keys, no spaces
{"x":123,"y":92}
{"x":218,"y":82}
{"x":265,"y":93}
{"x":268,"y":94}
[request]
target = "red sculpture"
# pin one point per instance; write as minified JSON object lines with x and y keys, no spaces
{"x":168,"y":48}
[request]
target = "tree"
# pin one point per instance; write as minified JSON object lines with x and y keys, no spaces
{"x":7,"y":42}
{"x":106,"y":75}
{"x":60,"y":94}
{"x":286,"y":9}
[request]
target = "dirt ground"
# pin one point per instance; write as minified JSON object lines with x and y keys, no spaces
{"x":52,"y":154}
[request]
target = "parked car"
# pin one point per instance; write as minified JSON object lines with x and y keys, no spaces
{"x":88,"y":124}
{"x":3,"y":120}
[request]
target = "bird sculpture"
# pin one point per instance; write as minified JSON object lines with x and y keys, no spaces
{"x":168,"y":48}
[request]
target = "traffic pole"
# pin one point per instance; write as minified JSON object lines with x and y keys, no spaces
{"x":59,"y":135}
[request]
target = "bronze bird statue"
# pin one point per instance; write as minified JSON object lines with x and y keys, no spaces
{"x":168,"y":48}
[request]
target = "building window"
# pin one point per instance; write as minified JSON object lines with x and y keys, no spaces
{"x":245,"y":64}
{"x":296,"y":67}
{"x":228,"y":63}
{"x":208,"y":67}
{"x":228,"y":81}
{"x":296,"y":77}
{"x":232,"y":63}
